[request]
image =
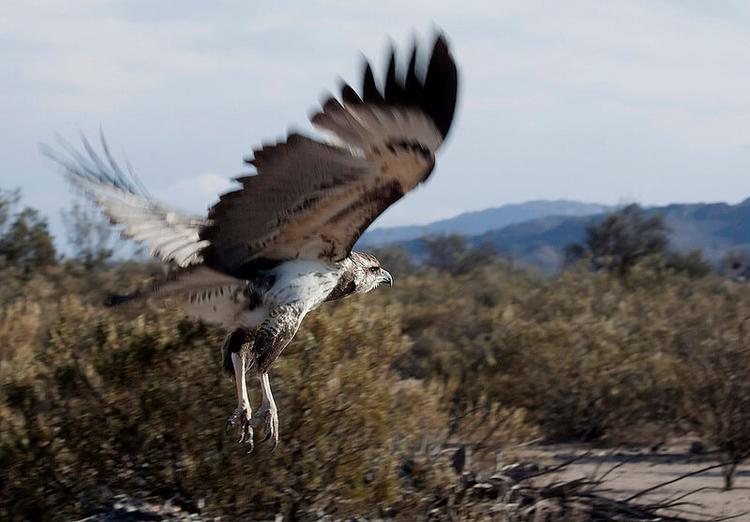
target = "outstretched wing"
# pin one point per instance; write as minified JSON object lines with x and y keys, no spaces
{"x":170,"y":235}
{"x":313,"y":200}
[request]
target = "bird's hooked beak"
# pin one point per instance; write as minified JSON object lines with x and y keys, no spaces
{"x":386,"y":278}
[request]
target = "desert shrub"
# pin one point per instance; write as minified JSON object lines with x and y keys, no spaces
{"x":585,"y":355}
{"x":692,"y":263}
{"x":375,"y":393}
{"x":717,"y":398}
{"x":103,"y":405}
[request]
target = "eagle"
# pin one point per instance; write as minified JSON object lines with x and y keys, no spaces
{"x":280,"y":245}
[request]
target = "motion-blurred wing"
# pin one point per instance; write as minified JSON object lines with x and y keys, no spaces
{"x":312,"y":200}
{"x":170,"y":235}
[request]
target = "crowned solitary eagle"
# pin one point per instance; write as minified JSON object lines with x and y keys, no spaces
{"x":280,"y":245}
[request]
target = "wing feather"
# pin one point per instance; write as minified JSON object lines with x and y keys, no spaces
{"x":170,"y":235}
{"x":313,"y":200}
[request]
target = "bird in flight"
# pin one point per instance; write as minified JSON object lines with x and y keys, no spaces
{"x":280,"y":245}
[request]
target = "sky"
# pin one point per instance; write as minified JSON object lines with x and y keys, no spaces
{"x":598,"y":101}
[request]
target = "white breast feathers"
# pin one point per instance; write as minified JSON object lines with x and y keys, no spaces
{"x":305,"y":282}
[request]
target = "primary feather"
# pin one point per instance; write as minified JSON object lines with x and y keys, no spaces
{"x":313,"y":200}
{"x":170,"y":235}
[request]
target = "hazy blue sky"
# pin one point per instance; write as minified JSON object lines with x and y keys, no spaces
{"x":605,"y":101}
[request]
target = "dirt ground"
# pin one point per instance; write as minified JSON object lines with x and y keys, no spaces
{"x":641,"y":468}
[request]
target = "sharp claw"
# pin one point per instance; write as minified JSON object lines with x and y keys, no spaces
{"x":270,"y":424}
{"x":246,"y":430}
{"x":271,"y":429}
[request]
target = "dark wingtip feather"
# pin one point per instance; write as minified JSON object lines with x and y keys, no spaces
{"x":412,"y":85}
{"x":370,"y":91}
{"x":436,"y":95}
{"x":349,"y":95}
{"x":441,"y":86}
{"x":394,"y":91}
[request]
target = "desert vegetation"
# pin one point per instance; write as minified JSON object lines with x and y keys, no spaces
{"x":380,"y":395}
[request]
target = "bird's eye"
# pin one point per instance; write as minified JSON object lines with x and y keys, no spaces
{"x":374,"y":269}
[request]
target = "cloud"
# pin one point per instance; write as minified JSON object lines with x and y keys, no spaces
{"x":195,"y":194}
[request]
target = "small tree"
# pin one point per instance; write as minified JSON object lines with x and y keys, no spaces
{"x":452,"y":254}
{"x":446,"y":252}
{"x":25,"y":241}
{"x":8,"y":201}
{"x":90,"y":236}
{"x":624,"y":238}
{"x":621,"y":240}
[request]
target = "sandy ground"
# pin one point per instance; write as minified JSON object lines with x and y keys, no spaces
{"x":641,"y":468}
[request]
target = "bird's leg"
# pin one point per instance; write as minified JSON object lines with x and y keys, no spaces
{"x":267,"y":413}
{"x":243,"y":414}
{"x":272,"y":336}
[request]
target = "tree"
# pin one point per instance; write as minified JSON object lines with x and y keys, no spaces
{"x":452,"y":254}
{"x":25,"y":241}
{"x":90,"y":236}
{"x":620,"y":241}
{"x":8,"y":201}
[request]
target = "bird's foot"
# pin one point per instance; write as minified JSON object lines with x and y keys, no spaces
{"x":241,"y":418}
{"x":268,"y":416}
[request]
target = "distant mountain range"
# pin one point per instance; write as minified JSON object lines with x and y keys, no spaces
{"x":713,"y":228}
{"x":475,"y":223}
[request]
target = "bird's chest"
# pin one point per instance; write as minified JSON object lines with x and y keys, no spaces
{"x":304,"y":282}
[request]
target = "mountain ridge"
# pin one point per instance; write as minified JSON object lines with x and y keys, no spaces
{"x":714,"y":228}
{"x":480,"y":221}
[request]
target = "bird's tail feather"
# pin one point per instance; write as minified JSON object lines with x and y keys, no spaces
{"x":181,"y":282}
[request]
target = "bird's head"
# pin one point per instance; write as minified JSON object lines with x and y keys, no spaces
{"x":368,"y":274}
